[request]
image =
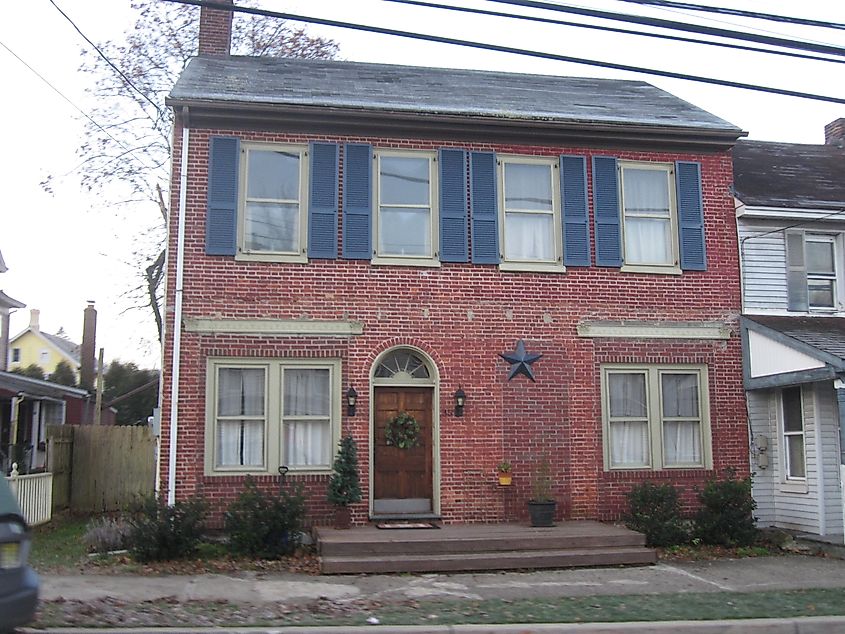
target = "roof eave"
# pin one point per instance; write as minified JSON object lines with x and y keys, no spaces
{"x":468,"y":127}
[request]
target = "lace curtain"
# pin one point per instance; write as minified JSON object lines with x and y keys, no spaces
{"x":307,"y":410}
{"x":240,"y":411}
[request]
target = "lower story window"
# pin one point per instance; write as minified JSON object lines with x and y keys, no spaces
{"x":265,"y":414}
{"x":793,"y":434}
{"x":655,"y":417}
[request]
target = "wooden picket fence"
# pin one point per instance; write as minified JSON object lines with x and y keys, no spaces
{"x":34,"y":493}
{"x":101,"y":468}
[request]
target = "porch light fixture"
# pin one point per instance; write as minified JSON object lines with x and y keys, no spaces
{"x":460,"y":400}
{"x":351,"y":401}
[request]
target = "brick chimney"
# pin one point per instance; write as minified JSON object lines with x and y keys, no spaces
{"x":215,"y":31}
{"x":86,"y":350}
{"x":34,"y":316}
{"x":834,"y":132}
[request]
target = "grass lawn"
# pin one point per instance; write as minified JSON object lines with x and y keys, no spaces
{"x":58,"y":544}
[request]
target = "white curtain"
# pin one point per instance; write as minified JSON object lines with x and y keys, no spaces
{"x":647,"y":217}
{"x":307,"y":393}
{"x":681,"y":442}
{"x":240,"y":393}
{"x":629,"y":444}
{"x":647,"y":241}
{"x":681,"y":438}
{"x":307,"y":443}
{"x":528,"y":188}
{"x":529,"y":236}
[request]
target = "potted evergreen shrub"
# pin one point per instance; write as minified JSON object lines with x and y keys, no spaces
{"x":541,"y":506}
{"x":344,"y":485}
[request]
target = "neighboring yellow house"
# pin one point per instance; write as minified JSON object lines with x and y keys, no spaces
{"x":32,"y":346}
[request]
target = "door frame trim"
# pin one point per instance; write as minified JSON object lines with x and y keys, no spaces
{"x":434,"y":383}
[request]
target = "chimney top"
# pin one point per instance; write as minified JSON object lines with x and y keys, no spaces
{"x":215,"y":31}
{"x":834,"y":132}
{"x":34,"y":314}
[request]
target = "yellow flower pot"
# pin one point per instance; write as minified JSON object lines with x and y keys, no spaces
{"x":505,"y":479}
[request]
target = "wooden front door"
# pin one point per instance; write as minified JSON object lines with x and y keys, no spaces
{"x":403,"y":478}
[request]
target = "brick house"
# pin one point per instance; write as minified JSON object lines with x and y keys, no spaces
{"x":790,"y":203}
{"x":393,"y":230}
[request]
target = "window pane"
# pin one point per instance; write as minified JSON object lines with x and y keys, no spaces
{"x":528,"y":187}
{"x":307,"y":393}
{"x":820,"y":257}
{"x":648,"y":241}
{"x":404,"y":181}
{"x":402,"y":364}
{"x":681,"y":443}
{"x":629,"y":444}
{"x":680,"y":395}
{"x":307,"y":443}
{"x":273,"y":175}
{"x":646,"y":192}
{"x":793,"y":421}
{"x":240,"y":443}
{"x":271,"y":227}
{"x":240,"y":392}
{"x":795,"y":449}
{"x":627,"y":395}
{"x":529,"y":237}
{"x":820,"y":293}
{"x":404,"y":231}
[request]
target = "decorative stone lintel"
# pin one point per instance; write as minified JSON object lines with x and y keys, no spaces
{"x":276,"y":327}
{"x":654,"y":330}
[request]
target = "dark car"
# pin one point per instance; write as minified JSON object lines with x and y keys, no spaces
{"x":18,"y":582}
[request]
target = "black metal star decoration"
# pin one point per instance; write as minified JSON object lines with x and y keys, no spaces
{"x":520,"y":360}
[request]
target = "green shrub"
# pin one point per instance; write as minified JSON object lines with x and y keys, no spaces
{"x":726,"y":516}
{"x":655,"y":511}
{"x":265,"y":525}
{"x":160,"y":532}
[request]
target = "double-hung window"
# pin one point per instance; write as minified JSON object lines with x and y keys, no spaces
{"x":793,"y":434}
{"x":821,"y":271}
{"x":273,"y":201}
{"x":529,"y":204}
{"x":649,"y":216}
{"x":655,"y":417}
{"x":265,"y":414}
{"x":406,"y":208}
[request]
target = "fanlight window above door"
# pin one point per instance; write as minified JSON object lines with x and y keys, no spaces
{"x":402,"y":365}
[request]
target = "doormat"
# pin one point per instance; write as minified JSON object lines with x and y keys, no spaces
{"x":405,"y":525}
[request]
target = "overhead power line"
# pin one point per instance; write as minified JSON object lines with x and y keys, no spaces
{"x":511,"y":50}
{"x":672,"y":4}
{"x":680,"y":26}
{"x":612,"y":29}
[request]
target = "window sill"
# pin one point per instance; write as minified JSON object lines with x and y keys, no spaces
{"x":253,"y":256}
{"x":530,"y":267}
{"x":400,"y":261}
{"x":657,"y":269}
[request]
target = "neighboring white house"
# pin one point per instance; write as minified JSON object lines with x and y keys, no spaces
{"x":791,"y":224}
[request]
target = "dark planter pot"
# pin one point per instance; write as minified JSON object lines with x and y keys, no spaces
{"x":342,"y":517}
{"x":542,"y":513}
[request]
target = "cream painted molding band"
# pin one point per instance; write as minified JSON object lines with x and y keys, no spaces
{"x":276,"y":327}
{"x":652,"y":330}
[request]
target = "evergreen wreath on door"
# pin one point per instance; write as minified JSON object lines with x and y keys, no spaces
{"x":402,"y":431}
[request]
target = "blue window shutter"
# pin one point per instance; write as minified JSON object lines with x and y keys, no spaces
{"x":453,"y":205}
{"x":484,"y":206}
{"x":690,"y":216}
{"x":357,"y":201}
{"x":221,"y":226}
{"x":607,"y":211}
{"x":576,"y":219}
{"x":322,"y":201}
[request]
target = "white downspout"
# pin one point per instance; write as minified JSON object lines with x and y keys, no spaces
{"x":177,"y":322}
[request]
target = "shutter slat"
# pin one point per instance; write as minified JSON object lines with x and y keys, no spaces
{"x":322,"y":201}
{"x":221,"y":229}
{"x":607,"y":212}
{"x":576,"y":225}
{"x":690,"y":216}
{"x":453,"y":205}
{"x":797,"y":296}
{"x":484,"y":207}
{"x":357,"y":201}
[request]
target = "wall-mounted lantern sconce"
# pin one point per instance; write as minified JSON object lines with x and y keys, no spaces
{"x":351,"y":401}
{"x":460,"y":400}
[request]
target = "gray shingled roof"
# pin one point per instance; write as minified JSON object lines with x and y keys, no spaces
{"x":15,"y":383}
{"x":383,"y":87}
{"x":789,"y":175}
{"x":66,"y":345}
{"x":823,"y":333}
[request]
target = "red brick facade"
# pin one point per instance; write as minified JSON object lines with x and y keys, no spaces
{"x":462,"y":316}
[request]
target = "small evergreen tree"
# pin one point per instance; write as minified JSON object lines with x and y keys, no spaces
{"x":344,"y":486}
{"x":63,"y":374}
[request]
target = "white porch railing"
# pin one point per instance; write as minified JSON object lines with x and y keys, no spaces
{"x":35,"y":495}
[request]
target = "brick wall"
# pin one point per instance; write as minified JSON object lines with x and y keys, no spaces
{"x":462,"y":316}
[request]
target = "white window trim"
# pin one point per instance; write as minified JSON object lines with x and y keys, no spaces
{"x":654,"y":404}
{"x":835,"y":240}
{"x":301,"y":256}
{"x":666,"y":269}
{"x":537,"y":266}
{"x":434,"y":199}
{"x":273,"y":431}
{"x":792,"y":483}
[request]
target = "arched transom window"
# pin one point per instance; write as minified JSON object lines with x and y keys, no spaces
{"x":402,"y":365}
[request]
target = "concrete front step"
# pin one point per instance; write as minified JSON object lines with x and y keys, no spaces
{"x":510,"y":560}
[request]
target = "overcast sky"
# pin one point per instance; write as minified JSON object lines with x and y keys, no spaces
{"x":68,"y":246}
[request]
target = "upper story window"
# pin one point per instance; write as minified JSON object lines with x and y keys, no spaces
{"x":529,"y":210}
{"x":821,"y":271}
{"x":814,"y":277}
{"x":273,"y":201}
{"x":16,"y":355}
{"x":405,"y":208}
{"x":649,"y":216}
